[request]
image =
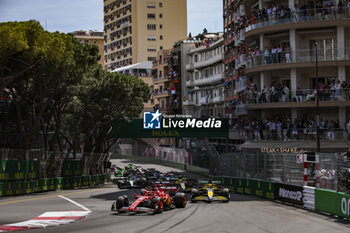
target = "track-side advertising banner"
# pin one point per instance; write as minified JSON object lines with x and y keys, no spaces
{"x":18,"y":169}
{"x":156,"y":125}
{"x":289,"y":193}
{"x":332,"y":202}
{"x":72,"y":168}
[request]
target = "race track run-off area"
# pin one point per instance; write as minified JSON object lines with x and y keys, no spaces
{"x":242,"y":214}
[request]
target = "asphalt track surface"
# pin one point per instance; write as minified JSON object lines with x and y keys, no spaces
{"x":242,"y":214}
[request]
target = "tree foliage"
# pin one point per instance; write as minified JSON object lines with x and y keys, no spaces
{"x":59,"y":93}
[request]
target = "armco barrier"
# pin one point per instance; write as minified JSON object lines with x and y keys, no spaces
{"x":289,"y":193}
{"x":331,"y":202}
{"x":261,"y":188}
{"x":18,"y":187}
{"x":2,"y":189}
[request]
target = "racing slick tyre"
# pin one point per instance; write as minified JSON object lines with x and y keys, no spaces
{"x":228,"y":199}
{"x":225,"y":193}
{"x":114,"y":208}
{"x":126,"y":200}
{"x":120,"y":185}
{"x":180,"y":200}
{"x":120,"y":203}
{"x":158,"y":205}
{"x":194,"y":193}
{"x":143,"y":182}
{"x":142,"y":191}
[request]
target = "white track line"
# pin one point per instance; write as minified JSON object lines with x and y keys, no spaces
{"x":75,"y":203}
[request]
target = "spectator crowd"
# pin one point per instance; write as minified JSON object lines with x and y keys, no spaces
{"x":286,"y":129}
{"x":280,"y":92}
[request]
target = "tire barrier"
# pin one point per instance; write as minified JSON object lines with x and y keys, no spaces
{"x":18,"y":187}
{"x":309,"y":197}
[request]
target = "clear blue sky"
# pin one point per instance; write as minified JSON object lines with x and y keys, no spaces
{"x":72,"y":15}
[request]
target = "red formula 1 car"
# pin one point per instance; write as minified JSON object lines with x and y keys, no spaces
{"x":149,"y":202}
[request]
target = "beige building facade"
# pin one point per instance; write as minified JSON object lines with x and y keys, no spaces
{"x":134,"y":30}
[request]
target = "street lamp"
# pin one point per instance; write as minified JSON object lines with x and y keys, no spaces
{"x":317,"y":104}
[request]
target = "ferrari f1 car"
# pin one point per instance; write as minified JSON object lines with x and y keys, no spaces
{"x":149,"y":202}
{"x":210,"y":191}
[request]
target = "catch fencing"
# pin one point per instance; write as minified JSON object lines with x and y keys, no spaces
{"x":330,"y":171}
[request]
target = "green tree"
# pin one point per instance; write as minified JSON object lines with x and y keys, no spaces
{"x":23,"y":46}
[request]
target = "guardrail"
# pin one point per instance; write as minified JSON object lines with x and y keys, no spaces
{"x":17,"y":187}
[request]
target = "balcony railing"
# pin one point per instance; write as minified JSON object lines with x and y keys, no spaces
{"x":318,"y":14}
{"x":210,"y":60}
{"x":307,"y":55}
{"x":296,"y":134}
{"x":209,"y":79}
{"x":241,"y":109}
{"x":189,"y":83}
{"x":241,"y":84}
{"x":218,"y":98}
{"x":161,"y":93}
{"x":300,"y":96}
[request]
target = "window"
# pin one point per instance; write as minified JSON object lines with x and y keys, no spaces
{"x":151,"y":38}
{"x":160,"y":26}
{"x":160,"y":37}
{"x":151,"y":26}
{"x":161,"y":47}
{"x":151,"y":5}
{"x":151,"y":49}
{"x":160,"y":16}
{"x":160,"y":4}
{"x":151,"y":16}
{"x":152,"y":58}
{"x":152,"y":101}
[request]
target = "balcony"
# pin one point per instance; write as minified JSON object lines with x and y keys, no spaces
{"x":190,"y":66}
{"x":218,"y":99}
{"x":161,"y":94}
{"x":190,"y":83}
{"x":237,"y":134}
{"x":278,"y":60}
{"x":161,"y":79}
{"x":309,"y":15}
{"x":241,"y":109}
{"x":241,"y":84}
{"x":209,"y":80}
{"x":240,"y":61}
{"x":211,"y":60}
{"x":297,"y":134}
{"x":305,"y":98}
{"x":188,"y":103}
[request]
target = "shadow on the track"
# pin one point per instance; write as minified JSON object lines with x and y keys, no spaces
{"x":113,"y":195}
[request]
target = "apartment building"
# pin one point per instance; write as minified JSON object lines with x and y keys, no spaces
{"x":205,"y":77}
{"x":143,"y":70}
{"x":279,"y":55}
{"x":92,"y":37}
{"x":162,"y":88}
{"x":134,"y":30}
